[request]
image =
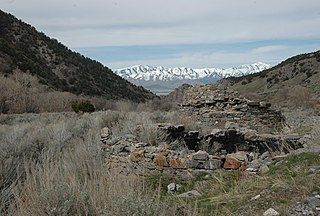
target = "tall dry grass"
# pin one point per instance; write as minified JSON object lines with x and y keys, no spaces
{"x":51,"y":165}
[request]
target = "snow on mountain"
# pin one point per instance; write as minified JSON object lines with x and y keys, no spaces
{"x":148,"y":73}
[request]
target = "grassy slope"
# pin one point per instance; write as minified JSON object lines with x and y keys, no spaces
{"x":302,"y":71}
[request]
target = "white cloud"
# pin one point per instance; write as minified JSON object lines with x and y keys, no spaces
{"x":195,"y":60}
{"x":99,"y":23}
{"x":83,"y":23}
{"x":268,"y":49}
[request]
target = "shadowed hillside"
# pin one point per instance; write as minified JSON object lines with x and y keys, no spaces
{"x":23,"y":47}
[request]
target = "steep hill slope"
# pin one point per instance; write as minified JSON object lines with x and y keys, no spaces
{"x":23,"y":47}
{"x":296,"y":79}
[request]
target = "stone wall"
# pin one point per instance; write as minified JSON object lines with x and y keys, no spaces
{"x":215,"y":107}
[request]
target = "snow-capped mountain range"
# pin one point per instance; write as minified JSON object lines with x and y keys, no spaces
{"x":154,"y":78}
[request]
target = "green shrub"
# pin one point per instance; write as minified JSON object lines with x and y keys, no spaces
{"x":83,"y":106}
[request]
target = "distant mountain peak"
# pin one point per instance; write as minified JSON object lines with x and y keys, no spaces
{"x":160,"y":73}
{"x":150,"y":76}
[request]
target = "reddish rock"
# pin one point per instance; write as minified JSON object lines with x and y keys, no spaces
{"x":160,"y":160}
{"x":231,"y":163}
{"x":178,"y":163}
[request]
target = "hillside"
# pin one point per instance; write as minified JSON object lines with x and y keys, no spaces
{"x":23,"y":47}
{"x":295,"y":80}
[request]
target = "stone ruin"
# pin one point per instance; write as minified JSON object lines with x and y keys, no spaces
{"x":237,"y":140}
{"x":214,"y":107}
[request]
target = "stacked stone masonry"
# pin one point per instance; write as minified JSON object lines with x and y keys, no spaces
{"x":208,"y":104}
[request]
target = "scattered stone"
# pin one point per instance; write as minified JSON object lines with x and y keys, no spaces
{"x":256,"y":197}
{"x":206,"y":177}
{"x":314,"y":168}
{"x":105,"y":133}
{"x":252,"y":170}
{"x":190,"y":194}
{"x":310,"y":206}
{"x":271,"y":212}
{"x":264,"y":169}
{"x":173,"y":187}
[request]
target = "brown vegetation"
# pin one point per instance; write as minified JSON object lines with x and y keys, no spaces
{"x":23,"y":93}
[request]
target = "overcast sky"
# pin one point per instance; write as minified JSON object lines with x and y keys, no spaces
{"x":170,"y":33}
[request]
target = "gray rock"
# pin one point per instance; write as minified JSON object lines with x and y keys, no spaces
{"x":213,"y":164}
{"x":271,"y":212}
{"x":314,"y":168}
{"x":264,"y":169}
{"x":190,"y":194}
{"x":112,"y":141}
{"x":173,"y":187}
{"x":118,"y":148}
{"x":105,"y":133}
{"x":194,"y":164}
{"x":252,"y":170}
{"x":130,"y":137}
{"x":314,"y":202}
{"x":200,"y":155}
{"x":265,"y":155}
{"x":310,"y":206}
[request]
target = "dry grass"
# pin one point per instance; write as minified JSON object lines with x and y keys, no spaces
{"x":50,"y":164}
